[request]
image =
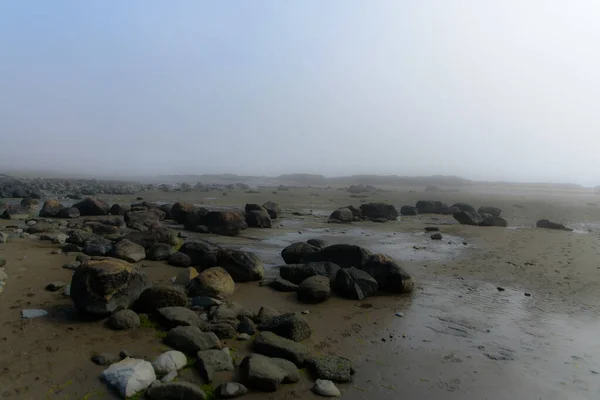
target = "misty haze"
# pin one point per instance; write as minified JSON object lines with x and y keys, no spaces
{"x":299,"y":199}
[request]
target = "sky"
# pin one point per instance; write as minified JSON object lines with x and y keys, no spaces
{"x":483,"y":89}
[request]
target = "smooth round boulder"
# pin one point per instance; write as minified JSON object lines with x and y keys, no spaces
{"x":258,"y":219}
{"x":179,"y":259}
{"x":50,"y":209}
{"x":161,"y":296}
{"x":296,"y":252}
{"x":354,"y":284}
{"x":122,"y":320}
{"x":243,"y":266}
{"x":315,"y":289}
{"x":343,"y":215}
{"x":90,"y":206}
{"x":214,"y":282}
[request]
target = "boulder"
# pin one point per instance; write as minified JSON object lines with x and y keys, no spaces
{"x":258,"y":219}
{"x":266,"y":374}
{"x":97,"y":246}
{"x":107,"y":285}
{"x":319,"y":243}
{"x":186,"y":276}
{"x":468,"y":218}
{"x":283,"y":285}
{"x":290,"y":326}
{"x":390,"y":276}
{"x":50,"y":209}
{"x":408,"y":210}
{"x":326,"y":388}
{"x":544,"y":223}
{"x":69,"y":213}
{"x":223,"y":330}
{"x":227,"y":223}
{"x":118,"y":209}
{"x":101,"y":229}
{"x":28,"y":203}
{"x":430,"y":207}
{"x":191,"y":340}
{"x":243,"y":266}
{"x":195,"y":220}
{"x":229,"y":311}
{"x":266,"y":313}
{"x":336,"y":369}
{"x":151,"y":237}
{"x":315,"y":289}
{"x":490,"y":220}
{"x":129,"y":377}
{"x":296,"y":252}
{"x":169,"y":361}
{"x":79,"y":237}
{"x":493,"y":211}
{"x":213,"y":282}
{"x":90,"y":206}
{"x":122,"y":320}
{"x":179,"y":259}
{"x":354,"y":284}
{"x":170,"y":317}
{"x":344,"y":255}
{"x":201,"y":253}
{"x":273,"y":209}
{"x":143,"y":220}
{"x":463,"y":207}
{"x":211,"y":361}
{"x":180,"y":210}
{"x":246,"y":325}
{"x":297,"y":273}
{"x":179,"y":390}
{"x":252,"y":207}
{"x":129,"y":251}
{"x":343,"y":215}
{"x":379,"y":210}
{"x":166,"y":208}
{"x":157,"y":297}
{"x":231,"y":390}
{"x":271,"y":345}
{"x":41,"y":226}
{"x":159,"y":252}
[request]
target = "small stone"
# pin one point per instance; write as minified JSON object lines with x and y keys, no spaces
{"x":243,"y":337}
{"x":246,"y":325}
{"x":500,"y":289}
{"x":124,"y":319}
{"x":399,"y":314}
{"x":326,"y":388}
{"x":55,"y":286}
{"x":33,"y":313}
{"x":67,"y":291}
{"x":464,"y":243}
{"x":432,"y":229}
{"x":104,"y":359}
{"x":305,"y":312}
{"x":231,"y":390}
{"x":527,"y":294}
{"x":437,"y":236}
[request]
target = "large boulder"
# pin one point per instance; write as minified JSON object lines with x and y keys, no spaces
{"x":157,"y":297}
{"x":152,"y":237}
{"x":430,"y":207}
{"x":468,"y":218}
{"x":97,"y":246}
{"x":229,"y":311}
{"x":332,"y":368}
{"x":463,"y":207}
{"x":69,"y":213}
{"x":344,"y":255}
{"x":117,"y":209}
{"x":180,"y":210}
{"x":90,"y":206}
{"x":227,"y":223}
{"x":79,"y":237}
{"x":315,"y":289}
{"x":170,"y":317}
{"x":166,"y":208}
{"x":211,"y":361}
{"x":296,"y":252}
{"x":243,"y":266}
{"x":159,"y":252}
{"x":107,"y":285}
{"x":297,"y":273}
{"x":273,"y":209}
{"x":101,"y":229}
{"x":354,"y":284}
{"x":213,"y":282}
{"x":28,"y":203}
{"x":283,"y":285}
{"x":493,"y":211}
{"x":179,"y":259}
{"x":50,"y":209}
{"x":258,"y":219}
{"x":390,"y":276}
{"x":379,"y":211}
{"x":129,"y":251}
{"x":123,"y":320}
{"x":490,"y":220}
{"x":129,"y":376}
{"x":169,"y":361}
{"x":291,"y":326}
{"x":408,"y":210}
{"x":544,"y":223}
{"x":195,"y":220}
{"x":343,"y":215}
{"x":179,"y":390}
{"x":266,"y":374}
{"x":191,"y":340}
{"x":201,"y":253}
{"x":272,"y":345}
{"x":143,"y":220}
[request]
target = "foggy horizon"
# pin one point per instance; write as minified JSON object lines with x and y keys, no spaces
{"x":486,"y":91}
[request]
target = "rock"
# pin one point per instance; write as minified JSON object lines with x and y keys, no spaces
{"x":315,"y":289}
{"x":266,"y":313}
{"x":143,"y":220}
{"x":390,"y":276}
{"x":266,"y":374}
{"x":161,"y":296}
{"x":430,"y":207}
{"x":283,"y":285}
{"x":72,"y":266}
{"x":408,"y":210}
{"x":150,"y":238}
{"x":159,"y":252}
{"x":50,"y":209}
{"x":243,"y":337}
{"x":190,"y":339}
{"x":258,"y":219}
{"x":399,"y":314}
{"x":243,"y":266}
{"x":296,"y":252}
{"x":227,"y":223}
{"x":224,"y":330}
{"x":129,"y":251}
{"x":170,"y":361}
{"x":493,"y":211}
{"x":246,"y":325}
{"x":231,"y":390}
{"x":432,"y":229}
{"x":463,"y":207}
{"x":195,"y":220}
{"x":271,"y":345}
{"x":170,"y":377}
{"x":118,"y":209}
{"x":201,"y":253}
{"x":379,"y":210}
{"x":273,"y":209}
{"x":180,"y":210}
{"x":170,"y":317}
{"x":175,"y":391}
{"x":354,"y":283}
{"x":450,"y":211}
{"x":166,"y":208}
{"x":69,"y":213}
{"x":179,"y":259}
{"x":544,"y":223}
{"x":33,"y":313}
{"x":297,"y":273}
{"x":106,"y":285}
{"x":124,"y":319}
{"x":214,"y":282}
{"x":468,"y":218}
{"x":55,"y":286}
{"x":437,"y":236}
{"x":2,"y":261}
{"x":343,"y":215}
{"x":90,"y":206}
{"x":186,"y":276}
{"x":321,"y":244}
{"x":211,"y":361}
{"x":130,"y":376}
{"x":3,"y":276}
{"x":205,"y":302}
{"x":40,"y":227}
{"x":28,"y":203}
{"x":336,"y":369}
{"x":326,"y":389}
{"x":290,"y":326}
{"x":97,"y":246}
{"x":344,"y":255}
{"x":3,"y":237}
{"x":79,"y":237}
{"x":229,"y":311}
{"x":106,"y":220}
{"x":490,"y":220}
{"x":105,"y":359}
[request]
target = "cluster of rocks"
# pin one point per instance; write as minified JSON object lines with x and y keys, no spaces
{"x":464,"y":213}
{"x":358,"y":189}
{"x":377,"y":212}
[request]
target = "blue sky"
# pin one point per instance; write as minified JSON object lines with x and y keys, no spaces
{"x":482,"y":89}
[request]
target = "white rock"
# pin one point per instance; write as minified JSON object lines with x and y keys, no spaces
{"x":67,"y":291}
{"x":33,"y":313}
{"x":399,"y":314}
{"x":170,"y":361}
{"x":129,"y":376}
{"x":326,"y":389}
{"x":169,"y":377}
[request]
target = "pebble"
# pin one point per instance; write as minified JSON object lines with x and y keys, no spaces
{"x":55,"y":286}
{"x":399,"y":314}
{"x":527,"y":294}
{"x":243,"y":337}
{"x":31,"y":223}
{"x":326,"y":388}
{"x":500,"y":289}
{"x":33,"y":313}
{"x":305,"y":312}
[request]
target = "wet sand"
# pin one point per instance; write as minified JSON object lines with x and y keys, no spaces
{"x":460,"y":336}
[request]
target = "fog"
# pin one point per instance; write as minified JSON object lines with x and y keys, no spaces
{"x":483,"y":89}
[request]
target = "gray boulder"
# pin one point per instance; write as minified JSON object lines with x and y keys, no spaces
{"x":463,"y":207}
{"x":297,"y":273}
{"x":143,"y":220}
{"x":290,"y":326}
{"x":258,"y":219}
{"x":296,"y":252}
{"x":50,"y":209}
{"x":273,"y":209}
{"x":544,"y":223}
{"x":344,"y":255}
{"x":343,"y":215}
{"x":490,"y":220}
{"x":191,"y":340}
{"x":336,"y":369}
{"x":243,"y":266}
{"x":271,"y":345}
{"x":97,"y":246}
{"x":283,"y":285}
{"x":124,"y":319}
{"x":201,"y":253}
{"x":468,"y":218}
{"x":266,"y":313}
{"x":90,"y":206}
{"x":390,"y":276}
{"x":379,"y":211}
{"x":408,"y":210}
{"x":227,"y":223}
{"x":213,"y":282}
{"x":69,"y":213}
{"x":211,"y":361}
{"x":179,"y":259}
{"x":354,"y":284}
{"x":175,"y":391}
{"x":430,"y":207}
{"x":266,"y":374}
{"x":159,"y":252}
{"x":161,"y":296}
{"x":493,"y":211}
{"x":171,"y":317}
{"x":315,"y":289}
{"x":129,"y":251}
